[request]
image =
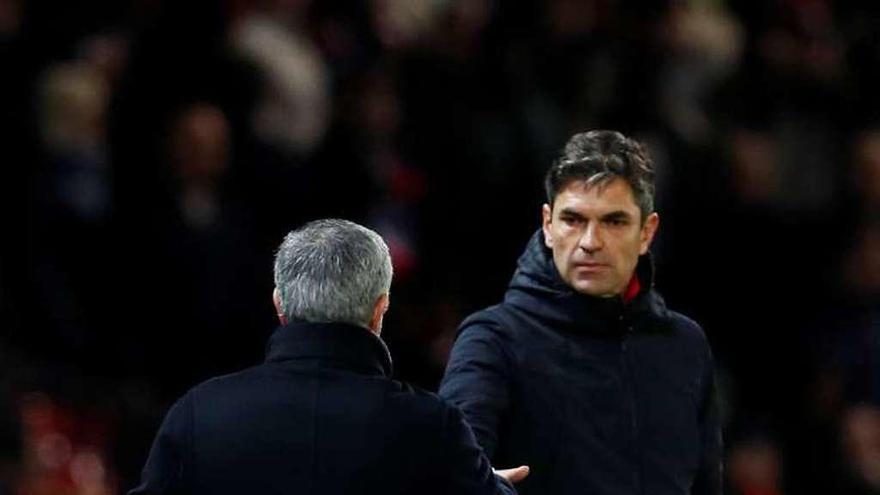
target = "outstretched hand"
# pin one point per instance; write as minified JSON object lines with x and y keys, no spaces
{"x":514,"y":475}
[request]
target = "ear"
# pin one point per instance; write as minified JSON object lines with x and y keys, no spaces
{"x":276,"y":301}
{"x":378,"y":313}
{"x":649,"y":229}
{"x":546,"y":221}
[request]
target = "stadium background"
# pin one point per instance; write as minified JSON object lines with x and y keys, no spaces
{"x":154,"y":154}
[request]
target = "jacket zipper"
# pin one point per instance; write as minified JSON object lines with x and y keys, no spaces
{"x":629,"y":387}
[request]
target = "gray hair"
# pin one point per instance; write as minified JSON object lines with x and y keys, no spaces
{"x":332,"y":271}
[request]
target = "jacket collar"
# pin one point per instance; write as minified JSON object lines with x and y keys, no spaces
{"x":537,"y":289}
{"x":351,"y":346}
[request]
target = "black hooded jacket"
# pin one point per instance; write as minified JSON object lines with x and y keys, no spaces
{"x":597,"y":396}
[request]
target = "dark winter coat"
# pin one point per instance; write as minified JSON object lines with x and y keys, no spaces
{"x":597,"y":396}
{"x":320,"y":416}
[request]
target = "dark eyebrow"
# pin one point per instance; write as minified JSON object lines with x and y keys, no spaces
{"x":568,"y":212}
{"x":618,"y":215}
{"x":614,"y":216}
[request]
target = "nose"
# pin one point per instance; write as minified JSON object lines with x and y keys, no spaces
{"x":591,"y":239}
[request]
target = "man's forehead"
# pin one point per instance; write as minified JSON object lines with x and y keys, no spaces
{"x":613,"y":194}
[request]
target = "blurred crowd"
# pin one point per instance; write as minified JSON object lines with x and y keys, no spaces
{"x":155,"y":153}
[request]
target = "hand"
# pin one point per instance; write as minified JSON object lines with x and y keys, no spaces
{"x":514,"y":475}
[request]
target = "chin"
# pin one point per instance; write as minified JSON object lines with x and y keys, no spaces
{"x":592,"y":290}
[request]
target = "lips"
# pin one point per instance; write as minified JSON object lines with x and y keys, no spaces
{"x":590,"y":265}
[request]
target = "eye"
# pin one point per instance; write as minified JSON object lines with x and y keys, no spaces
{"x":570,"y":220}
{"x":617,"y":222}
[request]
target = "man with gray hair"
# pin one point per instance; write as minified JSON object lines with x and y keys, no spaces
{"x":322,"y":414}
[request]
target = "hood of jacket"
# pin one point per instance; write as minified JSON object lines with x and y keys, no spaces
{"x":538,"y":290}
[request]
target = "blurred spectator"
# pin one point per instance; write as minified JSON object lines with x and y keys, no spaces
{"x":75,"y":99}
{"x":782,"y":146}
{"x":107,"y":52}
{"x":10,"y":443}
{"x":754,"y":467}
{"x":293,"y":111}
{"x":757,"y":178}
{"x":862,"y":264}
{"x":199,"y":154}
{"x":63,"y":451}
{"x":387,"y":188}
{"x":74,"y":205}
{"x":200,"y":247}
{"x":401,"y":24}
{"x":705,"y":44}
{"x":866,"y":175}
{"x":860,"y":428}
{"x":10,"y":18}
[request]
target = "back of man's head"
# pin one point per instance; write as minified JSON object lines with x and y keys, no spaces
{"x":332,"y":271}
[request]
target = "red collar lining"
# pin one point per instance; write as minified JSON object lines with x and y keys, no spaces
{"x":632,"y":290}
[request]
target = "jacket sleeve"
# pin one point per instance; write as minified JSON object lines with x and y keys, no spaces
{"x":167,"y":465}
{"x":709,"y":477}
{"x":471,"y":472}
{"x":477,"y":382}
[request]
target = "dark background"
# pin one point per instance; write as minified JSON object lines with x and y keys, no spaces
{"x":154,"y":154}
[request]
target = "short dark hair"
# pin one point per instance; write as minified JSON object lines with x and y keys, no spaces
{"x":600,"y":156}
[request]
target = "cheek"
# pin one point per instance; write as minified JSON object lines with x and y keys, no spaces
{"x":553,"y":237}
{"x":629,"y":251}
{"x":567,"y":245}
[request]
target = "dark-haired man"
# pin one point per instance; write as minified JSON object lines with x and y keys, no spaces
{"x":582,"y":372}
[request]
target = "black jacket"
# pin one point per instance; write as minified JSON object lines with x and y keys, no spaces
{"x":597,"y":396}
{"x":320,"y":416}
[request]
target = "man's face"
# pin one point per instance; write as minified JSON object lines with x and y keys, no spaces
{"x":596,"y":235}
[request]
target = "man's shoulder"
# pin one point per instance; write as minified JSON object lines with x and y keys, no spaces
{"x":266,"y":377}
{"x":489,"y":334}
{"x":221,"y":386}
{"x":412,"y":408}
{"x":687,"y":329}
{"x":495,"y":321}
{"x":489,"y":316}
{"x":223,"y":383}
